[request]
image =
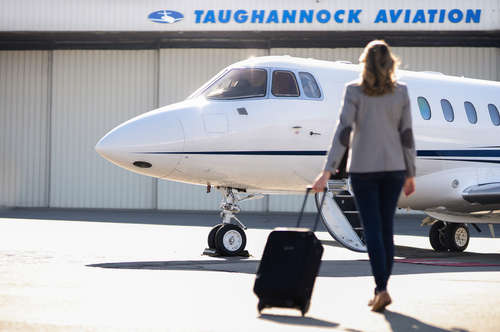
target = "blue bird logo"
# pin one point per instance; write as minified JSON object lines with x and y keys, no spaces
{"x":165,"y":16}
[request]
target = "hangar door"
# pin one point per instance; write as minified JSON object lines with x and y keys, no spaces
{"x":55,"y":105}
{"x":92,"y":92}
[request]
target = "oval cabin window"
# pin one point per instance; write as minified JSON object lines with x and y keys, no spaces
{"x":425,"y":109}
{"x":495,"y":117}
{"x":447,"y":110}
{"x":471,"y":112}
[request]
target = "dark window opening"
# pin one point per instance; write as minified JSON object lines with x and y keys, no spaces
{"x":495,"y":117}
{"x":284,"y":84}
{"x":471,"y":112}
{"x":239,"y":83}
{"x":447,"y":110}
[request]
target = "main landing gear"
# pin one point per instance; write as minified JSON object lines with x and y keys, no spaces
{"x":446,"y":236}
{"x":227,"y":239}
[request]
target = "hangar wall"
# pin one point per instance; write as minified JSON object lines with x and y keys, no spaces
{"x":55,"y":105}
{"x":92,"y":92}
{"x":24,"y":106}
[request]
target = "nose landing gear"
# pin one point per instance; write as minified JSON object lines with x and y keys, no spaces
{"x":226,"y":238}
{"x":230,"y":240}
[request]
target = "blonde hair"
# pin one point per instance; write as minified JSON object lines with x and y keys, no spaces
{"x":379,"y":66}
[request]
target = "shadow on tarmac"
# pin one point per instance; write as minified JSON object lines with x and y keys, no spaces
{"x":414,"y":253}
{"x":397,"y":321}
{"x":329,"y":268}
{"x":298,"y":320}
{"x":400,"y":322}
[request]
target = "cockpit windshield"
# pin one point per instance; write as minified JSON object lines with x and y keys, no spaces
{"x":239,"y":83}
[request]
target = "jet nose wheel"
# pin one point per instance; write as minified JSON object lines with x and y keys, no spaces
{"x":230,"y":240}
{"x":211,"y":236}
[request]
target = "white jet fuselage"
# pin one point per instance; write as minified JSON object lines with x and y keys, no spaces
{"x":278,"y":144}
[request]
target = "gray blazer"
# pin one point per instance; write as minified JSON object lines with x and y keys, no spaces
{"x":377,"y":130}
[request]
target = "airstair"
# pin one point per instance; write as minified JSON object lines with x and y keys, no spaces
{"x":341,"y":216}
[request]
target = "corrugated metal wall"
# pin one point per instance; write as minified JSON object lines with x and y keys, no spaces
{"x":475,"y":62}
{"x":55,"y":105}
{"x":94,"y":91}
{"x":24,"y":83}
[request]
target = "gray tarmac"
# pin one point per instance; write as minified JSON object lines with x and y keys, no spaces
{"x":103,"y":270}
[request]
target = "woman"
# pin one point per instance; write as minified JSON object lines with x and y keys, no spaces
{"x":375,"y":126}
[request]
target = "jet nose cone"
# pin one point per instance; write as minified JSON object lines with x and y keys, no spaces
{"x":150,"y":144}
{"x":101,"y":147}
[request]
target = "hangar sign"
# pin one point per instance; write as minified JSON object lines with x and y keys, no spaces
{"x":251,"y":15}
{"x":323,"y":16}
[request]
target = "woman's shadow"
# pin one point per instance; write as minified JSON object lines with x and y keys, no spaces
{"x":397,"y":321}
{"x":400,"y":322}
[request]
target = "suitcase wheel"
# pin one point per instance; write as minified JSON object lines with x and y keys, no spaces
{"x":260,"y":306}
{"x":305,"y":308}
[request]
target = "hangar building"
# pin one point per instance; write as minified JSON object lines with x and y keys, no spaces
{"x":71,"y":70}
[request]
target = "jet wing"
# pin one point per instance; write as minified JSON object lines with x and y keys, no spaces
{"x":483,"y":194}
{"x":479,"y":217}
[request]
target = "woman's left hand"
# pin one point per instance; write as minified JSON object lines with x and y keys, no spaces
{"x":409,"y":186}
{"x":321,"y":180}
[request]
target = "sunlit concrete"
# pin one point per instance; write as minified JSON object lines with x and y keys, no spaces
{"x":70,"y":270}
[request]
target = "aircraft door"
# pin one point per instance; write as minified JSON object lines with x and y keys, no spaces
{"x":300,"y":101}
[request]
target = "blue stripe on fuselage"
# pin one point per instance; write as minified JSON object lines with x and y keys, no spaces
{"x":420,"y":153}
{"x":458,"y":153}
{"x":429,"y":154}
{"x":469,"y":160}
{"x":250,"y":153}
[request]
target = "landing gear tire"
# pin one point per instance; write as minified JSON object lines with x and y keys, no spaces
{"x":458,"y":236}
{"x":437,"y":236}
{"x":451,"y":236}
{"x":211,"y":236}
{"x":230,"y":240}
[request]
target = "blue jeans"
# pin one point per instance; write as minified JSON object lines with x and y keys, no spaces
{"x":376,"y":196}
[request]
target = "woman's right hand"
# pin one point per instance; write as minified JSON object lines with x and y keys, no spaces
{"x":321,"y":180}
{"x":409,"y":186}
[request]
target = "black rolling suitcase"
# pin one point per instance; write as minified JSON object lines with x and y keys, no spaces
{"x":289,"y":267}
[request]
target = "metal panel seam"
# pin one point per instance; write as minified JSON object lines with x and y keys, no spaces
{"x":156,"y":75}
{"x":50,"y":75}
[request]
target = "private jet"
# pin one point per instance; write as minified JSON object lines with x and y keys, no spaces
{"x":263,"y":126}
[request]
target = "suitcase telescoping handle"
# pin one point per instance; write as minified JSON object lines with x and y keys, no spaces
{"x":308,"y":190}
